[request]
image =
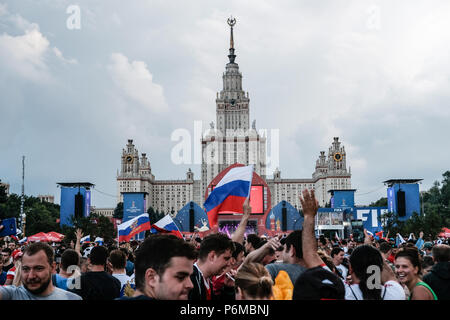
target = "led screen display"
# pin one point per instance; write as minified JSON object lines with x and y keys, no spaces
{"x":256,"y":201}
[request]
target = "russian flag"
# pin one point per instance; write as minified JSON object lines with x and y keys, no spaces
{"x":132,"y":227}
{"x":399,"y":240}
{"x":166,"y":225}
{"x":379,"y":235}
{"x":85,"y":239}
{"x":230,"y":193}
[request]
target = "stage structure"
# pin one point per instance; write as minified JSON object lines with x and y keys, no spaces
{"x":75,"y":201}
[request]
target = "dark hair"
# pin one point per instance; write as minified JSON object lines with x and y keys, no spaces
{"x":98,"y":256}
{"x":363,"y":257}
{"x":427,"y":261}
{"x":254,"y":280}
{"x":238,"y":248}
{"x":294,"y":239}
{"x":254,"y":240}
{"x":412,"y":254}
{"x":441,"y":253}
{"x":322,"y":239}
{"x":318,"y":283}
{"x":260,"y":244}
{"x":217,"y":242}
{"x":69,"y":258}
{"x":34,"y":248}
{"x":385,"y":247}
{"x":118,"y":259}
{"x":336,"y":251}
{"x":344,"y":242}
{"x":156,"y":252}
{"x":7,"y":250}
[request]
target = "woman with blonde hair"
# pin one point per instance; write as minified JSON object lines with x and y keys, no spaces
{"x":253,"y":282}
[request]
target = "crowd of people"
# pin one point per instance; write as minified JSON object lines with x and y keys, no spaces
{"x":298,"y":266}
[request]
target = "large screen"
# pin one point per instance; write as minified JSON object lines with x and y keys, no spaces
{"x":256,"y":201}
{"x":229,"y":227}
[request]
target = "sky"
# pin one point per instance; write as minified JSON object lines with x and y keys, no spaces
{"x":80,"y":78}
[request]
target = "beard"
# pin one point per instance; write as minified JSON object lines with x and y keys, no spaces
{"x":39,"y":290}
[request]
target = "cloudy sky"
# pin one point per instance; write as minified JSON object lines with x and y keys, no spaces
{"x":374,"y":73}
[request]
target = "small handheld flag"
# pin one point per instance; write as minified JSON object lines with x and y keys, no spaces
{"x":85,"y":239}
{"x":166,"y":225}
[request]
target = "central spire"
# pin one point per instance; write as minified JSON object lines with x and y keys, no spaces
{"x":231,"y":22}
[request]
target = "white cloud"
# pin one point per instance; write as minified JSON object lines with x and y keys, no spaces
{"x":25,"y":55}
{"x":59,"y":54}
{"x":136,"y":82}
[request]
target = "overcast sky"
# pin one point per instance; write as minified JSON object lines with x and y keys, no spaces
{"x":374,"y":73}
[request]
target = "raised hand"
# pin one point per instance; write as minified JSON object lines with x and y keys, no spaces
{"x":247,"y":209}
{"x":309,"y":203}
{"x":79,"y":234}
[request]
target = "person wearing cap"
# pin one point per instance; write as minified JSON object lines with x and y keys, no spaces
{"x":318,"y":284}
{"x":427,"y":248}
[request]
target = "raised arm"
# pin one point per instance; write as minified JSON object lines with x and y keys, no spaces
{"x":238,"y":235}
{"x":79,"y":235}
{"x":367,"y":239}
{"x":309,"y":243}
{"x":259,"y":254}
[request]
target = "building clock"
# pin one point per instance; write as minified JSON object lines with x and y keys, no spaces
{"x":337,"y":156}
{"x":129,"y":159}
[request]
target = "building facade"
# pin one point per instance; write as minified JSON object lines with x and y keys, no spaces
{"x":6,"y":186}
{"x":47,"y":198}
{"x":230,"y":140}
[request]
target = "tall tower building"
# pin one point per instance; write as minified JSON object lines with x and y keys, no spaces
{"x":135,"y":174}
{"x":232,"y":141}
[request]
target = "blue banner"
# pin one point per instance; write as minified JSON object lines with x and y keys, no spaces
{"x":133,"y":206}
{"x":67,"y":209}
{"x":9,"y":227}
{"x":412,"y":198}
{"x":343,"y":199}
{"x":87,"y":203}
{"x":371,"y":217}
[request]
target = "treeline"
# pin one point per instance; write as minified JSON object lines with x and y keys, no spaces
{"x":44,"y":217}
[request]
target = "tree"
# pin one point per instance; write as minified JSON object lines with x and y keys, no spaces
{"x":3,"y":195}
{"x":106,"y":230}
{"x":382,"y":202}
{"x":118,"y":211}
{"x":154,"y":216}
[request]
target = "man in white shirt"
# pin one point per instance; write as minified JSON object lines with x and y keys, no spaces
{"x":118,"y":262}
{"x":337,"y":254}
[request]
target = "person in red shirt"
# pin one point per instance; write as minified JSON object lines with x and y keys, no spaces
{"x":12,"y":274}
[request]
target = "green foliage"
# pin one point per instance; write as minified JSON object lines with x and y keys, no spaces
{"x":3,"y":196}
{"x":118,"y":211}
{"x":154,"y":216}
{"x":40,"y":216}
{"x":94,"y":225}
{"x":382,"y":202}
